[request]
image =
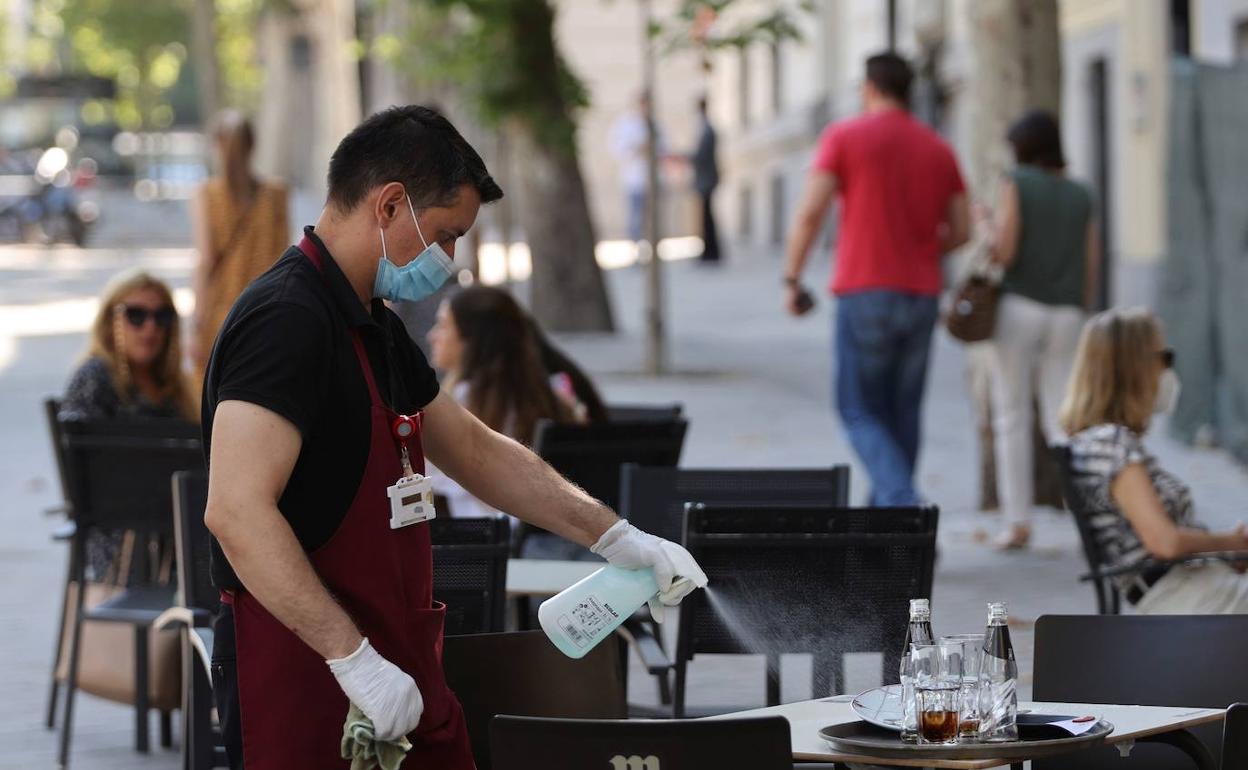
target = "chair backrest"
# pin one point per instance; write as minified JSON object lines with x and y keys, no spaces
{"x":470,"y":572}
{"x":51,"y":413}
{"x":190,"y":499}
{"x":644,"y":412}
{"x":654,"y":499}
{"x":591,"y":456}
{"x":1235,"y":738}
{"x":119,"y":472}
{"x":1107,"y":599}
{"x":813,"y":579}
{"x":522,"y":673}
{"x":525,"y":743}
{"x":1157,"y":660}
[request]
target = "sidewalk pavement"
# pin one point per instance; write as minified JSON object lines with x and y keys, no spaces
{"x":755,"y":386}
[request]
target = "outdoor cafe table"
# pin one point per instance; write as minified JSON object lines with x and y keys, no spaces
{"x":1131,"y":723}
{"x":545,"y":577}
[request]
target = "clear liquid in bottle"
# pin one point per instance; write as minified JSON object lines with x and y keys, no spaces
{"x":998,"y":681}
{"x":919,"y":631}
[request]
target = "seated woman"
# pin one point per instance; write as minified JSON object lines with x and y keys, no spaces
{"x":1122,"y":377}
{"x":132,"y":371}
{"x":133,"y":366}
{"x":484,"y":344}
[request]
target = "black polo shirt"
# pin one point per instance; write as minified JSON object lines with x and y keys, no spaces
{"x":286,"y":346}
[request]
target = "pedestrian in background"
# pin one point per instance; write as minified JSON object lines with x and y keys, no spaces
{"x":903,"y":206}
{"x":1044,"y":235}
{"x":705,"y":180}
{"x":239,"y":223}
{"x":630,"y":142}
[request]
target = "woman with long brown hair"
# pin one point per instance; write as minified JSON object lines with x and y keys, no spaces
{"x":1123,"y":376}
{"x":484,"y":344}
{"x":133,"y":366}
{"x":240,"y":228}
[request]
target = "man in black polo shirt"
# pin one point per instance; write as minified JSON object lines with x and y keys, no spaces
{"x":316,"y":404}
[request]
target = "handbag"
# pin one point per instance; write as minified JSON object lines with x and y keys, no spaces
{"x":972,"y":314}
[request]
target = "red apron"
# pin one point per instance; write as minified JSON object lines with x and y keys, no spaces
{"x":291,"y":707}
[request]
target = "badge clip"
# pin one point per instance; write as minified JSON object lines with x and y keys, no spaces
{"x":411,"y":497}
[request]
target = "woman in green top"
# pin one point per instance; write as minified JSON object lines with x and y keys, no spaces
{"x":1045,"y":238}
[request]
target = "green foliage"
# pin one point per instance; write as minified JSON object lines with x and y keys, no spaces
{"x":236,"y":49}
{"x":500,"y":58}
{"x":734,"y":27}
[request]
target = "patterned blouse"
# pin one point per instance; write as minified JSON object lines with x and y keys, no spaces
{"x":1097,"y":455}
{"x":92,"y":395}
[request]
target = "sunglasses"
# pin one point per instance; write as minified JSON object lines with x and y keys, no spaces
{"x":137,"y":316}
{"x":1167,"y":357}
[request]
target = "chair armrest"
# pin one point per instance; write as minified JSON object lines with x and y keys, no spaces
{"x":1196,"y":558}
{"x":647,"y":646}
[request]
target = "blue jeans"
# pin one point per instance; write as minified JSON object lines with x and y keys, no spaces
{"x":882,"y":341}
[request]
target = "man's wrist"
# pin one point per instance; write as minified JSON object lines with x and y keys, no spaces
{"x":344,"y":647}
{"x":792,"y":281}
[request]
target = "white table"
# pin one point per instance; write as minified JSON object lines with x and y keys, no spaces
{"x":1130,"y":724}
{"x":546,"y":577}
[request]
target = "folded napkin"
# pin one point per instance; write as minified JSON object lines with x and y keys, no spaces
{"x":364,"y":750}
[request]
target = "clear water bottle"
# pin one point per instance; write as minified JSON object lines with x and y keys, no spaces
{"x":998,"y":680}
{"x":581,"y":616}
{"x":919,"y":631}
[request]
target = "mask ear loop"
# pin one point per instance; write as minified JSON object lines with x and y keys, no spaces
{"x":381,"y":231}
{"x":416,"y":221}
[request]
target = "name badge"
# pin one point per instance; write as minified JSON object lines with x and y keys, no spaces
{"x":411,"y":501}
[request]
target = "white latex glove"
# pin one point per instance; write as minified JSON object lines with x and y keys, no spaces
{"x":675,"y":570}
{"x":385,"y":693}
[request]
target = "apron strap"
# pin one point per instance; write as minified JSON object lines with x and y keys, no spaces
{"x":313,"y":253}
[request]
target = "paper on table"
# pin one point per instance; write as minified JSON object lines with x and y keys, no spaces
{"x":1066,"y":724}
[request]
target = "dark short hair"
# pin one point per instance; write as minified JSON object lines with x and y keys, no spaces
{"x":413,"y":145}
{"x":891,"y":75}
{"x":1037,"y":140}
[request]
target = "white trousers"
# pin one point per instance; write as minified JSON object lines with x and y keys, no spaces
{"x":1208,"y":589}
{"x":1032,"y":354}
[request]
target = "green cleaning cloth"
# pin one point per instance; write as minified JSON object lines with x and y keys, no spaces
{"x":364,"y":750}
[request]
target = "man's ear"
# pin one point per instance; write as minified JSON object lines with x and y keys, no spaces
{"x":388,"y":203}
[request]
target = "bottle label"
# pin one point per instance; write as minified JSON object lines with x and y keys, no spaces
{"x":587,"y":620}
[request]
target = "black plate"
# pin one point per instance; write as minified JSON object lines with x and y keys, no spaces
{"x":867,"y":740}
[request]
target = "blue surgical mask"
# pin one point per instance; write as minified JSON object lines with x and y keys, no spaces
{"x":419,"y":278}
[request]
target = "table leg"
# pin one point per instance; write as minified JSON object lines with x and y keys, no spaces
{"x":1189,"y":744}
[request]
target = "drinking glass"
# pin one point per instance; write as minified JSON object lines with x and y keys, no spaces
{"x":970,"y":653}
{"x":937,"y":671}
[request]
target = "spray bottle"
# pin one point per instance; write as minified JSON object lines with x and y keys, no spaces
{"x":580,"y":617}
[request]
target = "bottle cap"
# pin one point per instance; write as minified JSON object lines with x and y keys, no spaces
{"x":997,"y":610}
{"x":920,"y":609}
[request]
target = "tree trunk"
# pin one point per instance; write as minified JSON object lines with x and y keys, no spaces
{"x":1015,"y":65}
{"x":207,"y":65}
{"x":568,"y":289}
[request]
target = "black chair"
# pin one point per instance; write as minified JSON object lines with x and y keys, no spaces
{"x":654,"y":500}
{"x":1235,"y":738}
{"x":591,"y":456}
{"x":523,"y":673}
{"x":118,"y":476}
{"x":1104,"y":578}
{"x":526,"y":743}
{"x":64,"y":534}
{"x":644,"y":412}
{"x":202,"y":747}
{"x":1155,"y":660}
{"x":804,"y":579}
{"x":470,"y":572}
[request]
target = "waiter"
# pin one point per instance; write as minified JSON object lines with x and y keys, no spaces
{"x":318,"y":412}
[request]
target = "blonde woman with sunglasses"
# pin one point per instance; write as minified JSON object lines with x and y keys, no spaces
{"x":133,"y":366}
{"x":1123,"y":376}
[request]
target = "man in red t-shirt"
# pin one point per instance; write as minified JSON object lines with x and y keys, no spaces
{"x":903,"y":206}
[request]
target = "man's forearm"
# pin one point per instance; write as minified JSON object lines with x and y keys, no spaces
{"x":511,"y":478}
{"x":802,"y":239}
{"x":269,"y":561}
